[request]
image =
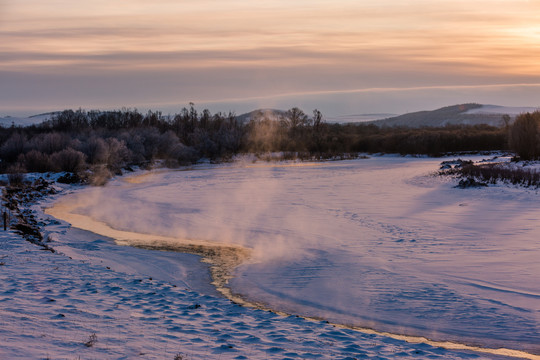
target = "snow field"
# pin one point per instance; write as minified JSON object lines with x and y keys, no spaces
{"x":378,"y":243}
{"x":374,"y":242}
{"x":56,"y":307}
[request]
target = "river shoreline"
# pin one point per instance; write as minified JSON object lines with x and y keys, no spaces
{"x":223,"y":259}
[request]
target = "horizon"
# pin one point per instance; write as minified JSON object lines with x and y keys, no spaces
{"x":341,"y":57}
{"x":358,"y":117}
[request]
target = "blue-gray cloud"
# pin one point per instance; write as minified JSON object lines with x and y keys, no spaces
{"x":369,"y":59}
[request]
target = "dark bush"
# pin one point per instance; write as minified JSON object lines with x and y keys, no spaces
{"x":50,"y":143}
{"x":68,"y":160}
{"x":69,"y":178}
{"x":524,"y":136}
{"x":493,"y":173}
{"x":96,"y":150}
{"x":15,"y":175}
{"x":13,"y":147}
{"x":36,"y":161}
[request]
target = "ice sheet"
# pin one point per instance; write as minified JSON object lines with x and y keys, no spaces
{"x":372,"y":242}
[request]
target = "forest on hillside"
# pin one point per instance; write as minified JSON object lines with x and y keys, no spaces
{"x":108,"y":141}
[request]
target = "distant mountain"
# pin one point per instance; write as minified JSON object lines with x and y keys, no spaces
{"x":261,"y":114}
{"x":7,"y":121}
{"x":463,"y":114}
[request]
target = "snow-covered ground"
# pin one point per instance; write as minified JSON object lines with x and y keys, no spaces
{"x":7,"y":121}
{"x":372,"y":242}
{"x":496,"y":109}
{"x":54,"y":307}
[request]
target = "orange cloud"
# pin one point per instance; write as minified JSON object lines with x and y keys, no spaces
{"x":284,"y":46}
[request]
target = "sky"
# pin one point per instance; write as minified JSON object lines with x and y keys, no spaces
{"x":340,"y":56}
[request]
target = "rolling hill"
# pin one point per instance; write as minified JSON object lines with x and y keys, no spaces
{"x":463,"y":114}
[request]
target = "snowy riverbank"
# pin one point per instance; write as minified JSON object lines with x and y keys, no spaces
{"x":93,"y":286}
{"x":53,"y":306}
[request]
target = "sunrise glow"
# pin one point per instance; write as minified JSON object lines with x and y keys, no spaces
{"x":61,"y":54}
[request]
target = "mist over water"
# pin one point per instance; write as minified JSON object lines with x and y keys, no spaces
{"x":373,"y":242}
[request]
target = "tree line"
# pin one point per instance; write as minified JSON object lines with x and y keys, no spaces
{"x":524,"y":141}
{"x":524,"y":136}
{"x":107,"y":141}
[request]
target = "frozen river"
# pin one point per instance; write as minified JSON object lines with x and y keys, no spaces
{"x":376,"y":242}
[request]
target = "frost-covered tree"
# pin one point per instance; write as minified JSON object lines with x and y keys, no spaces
{"x":524,"y":136}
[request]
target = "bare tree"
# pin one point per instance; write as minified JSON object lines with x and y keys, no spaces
{"x":524,"y":136}
{"x":69,"y":160}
